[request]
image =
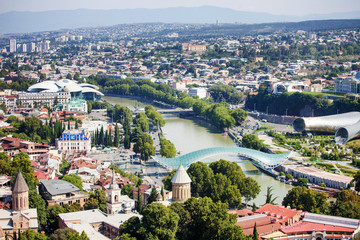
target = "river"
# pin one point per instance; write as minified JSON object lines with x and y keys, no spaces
{"x":192,"y":134}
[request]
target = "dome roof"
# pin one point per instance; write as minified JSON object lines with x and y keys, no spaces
{"x":69,"y":84}
{"x":91,"y":90}
{"x":65,"y":85}
{"x":181,"y":176}
{"x":46,"y":86}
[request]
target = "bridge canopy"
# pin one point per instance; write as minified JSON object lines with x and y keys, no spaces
{"x":265,"y":160}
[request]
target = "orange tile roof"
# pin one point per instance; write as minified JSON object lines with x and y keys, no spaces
{"x":281,"y":213}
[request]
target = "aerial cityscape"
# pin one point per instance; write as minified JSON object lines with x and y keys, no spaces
{"x":180,"y":120}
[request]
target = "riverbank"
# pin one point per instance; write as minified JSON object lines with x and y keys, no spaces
{"x":192,"y":134}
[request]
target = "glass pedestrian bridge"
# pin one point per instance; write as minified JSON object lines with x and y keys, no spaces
{"x":261,"y":159}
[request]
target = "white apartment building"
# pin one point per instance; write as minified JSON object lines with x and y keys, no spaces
{"x":74,"y":141}
{"x":48,"y":99}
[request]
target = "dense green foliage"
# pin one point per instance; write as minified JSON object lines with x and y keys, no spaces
{"x":33,"y":129}
{"x":252,"y":141}
{"x":219,"y":114}
{"x":144,"y":146}
{"x":347,"y":205}
{"x":74,"y":179}
{"x":221,"y":181}
{"x":20,"y":161}
{"x":199,"y":219}
{"x":97,"y":200}
{"x":306,"y":199}
{"x":167,"y":148}
{"x":294,"y":104}
{"x":225,"y":93}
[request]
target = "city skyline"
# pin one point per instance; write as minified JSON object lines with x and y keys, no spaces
{"x":277,"y":7}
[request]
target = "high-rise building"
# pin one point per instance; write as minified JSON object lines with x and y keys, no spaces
{"x":12,"y":45}
{"x":31,"y":47}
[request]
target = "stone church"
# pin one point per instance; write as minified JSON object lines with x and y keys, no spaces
{"x":181,"y":189}
{"x":21,"y":217}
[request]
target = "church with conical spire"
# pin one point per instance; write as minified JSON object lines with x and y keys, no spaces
{"x":181,"y":188}
{"x":20,"y":217}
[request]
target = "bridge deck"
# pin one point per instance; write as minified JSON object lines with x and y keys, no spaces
{"x":266,"y":160}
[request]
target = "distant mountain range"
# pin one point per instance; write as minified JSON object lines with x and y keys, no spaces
{"x":22,"y":22}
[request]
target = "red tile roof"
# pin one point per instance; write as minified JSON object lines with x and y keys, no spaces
{"x":301,"y":227}
{"x":281,"y":213}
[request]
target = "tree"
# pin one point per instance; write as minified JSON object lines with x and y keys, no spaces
{"x":74,"y":179}
{"x":153,"y":195}
{"x":127,"y":190}
{"x":239,"y":115}
{"x":139,"y":201}
{"x":269,"y":196}
{"x":252,"y":141}
{"x":53,"y":216}
{"x":3,"y":108}
{"x":347,"y":204}
{"x":167,"y":148}
{"x":289,"y":176}
{"x":357,"y":181}
{"x":303,"y":181}
{"x":131,"y":228}
{"x":91,"y":203}
{"x":144,"y":146}
{"x":210,"y":220}
{"x":77,"y":236}
{"x":167,"y":180}
{"x":36,"y":201}
{"x":116,"y":136}
{"x":61,"y":233}
{"x":255,"y":235}
{"x":29,"y":234}
{"x":307,"y":200}
{"x":200,"y":174}
{"x":159,"y":222}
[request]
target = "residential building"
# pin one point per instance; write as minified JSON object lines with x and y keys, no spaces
{"x":61,"y":192}
{"x":284,"y":216}
{"x":347,"y":85}
{"x":96,"y":224}
{"x":12,"y":43}
{"x":20,"y":217}
{"x":200,"y":92}
{"x":12,"y":146}
{"x":74,"y":141}
{"x":50,"y":99}
{"x":318,"y":176}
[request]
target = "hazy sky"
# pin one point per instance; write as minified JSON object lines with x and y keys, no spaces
{"x":290,"y":7}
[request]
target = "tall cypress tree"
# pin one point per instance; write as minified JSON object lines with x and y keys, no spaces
{"x":101,"y":135}
{"x":68,"y":125}
{"x":255,"y":233}
{"x":109,"y":140}
{"x":139,"y":205}
{"x":116,"y":136}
